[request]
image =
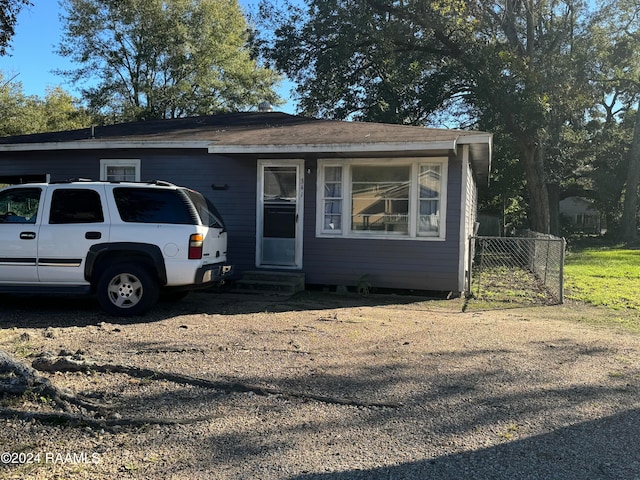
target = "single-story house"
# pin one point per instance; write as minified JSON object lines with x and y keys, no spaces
{"x":580,"y":215}
{"x":337,"y":201}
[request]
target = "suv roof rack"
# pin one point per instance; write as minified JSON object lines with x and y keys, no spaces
{"x":72,"y":180}
{"x":161,"y":183}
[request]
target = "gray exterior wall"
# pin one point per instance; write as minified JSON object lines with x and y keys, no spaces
{"x":394,"y":263}
{"x":197,"y":170}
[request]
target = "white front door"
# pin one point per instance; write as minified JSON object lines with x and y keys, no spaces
{"x":279,"y":213}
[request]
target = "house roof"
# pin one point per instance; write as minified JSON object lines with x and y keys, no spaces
{"x":263,"y":133}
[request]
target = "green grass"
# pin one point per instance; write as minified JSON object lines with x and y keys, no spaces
{"x":604,"y":277}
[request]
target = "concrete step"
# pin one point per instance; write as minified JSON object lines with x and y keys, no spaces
{"x":270,"y":282}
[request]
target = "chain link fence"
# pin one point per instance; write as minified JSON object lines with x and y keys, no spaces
{"x":526,"y":269}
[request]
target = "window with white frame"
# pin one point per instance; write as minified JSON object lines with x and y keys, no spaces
{"x":387,"y":198}
{"x":332,"y":199}
{"x":429,"y":201}
{"x":120,"y":170}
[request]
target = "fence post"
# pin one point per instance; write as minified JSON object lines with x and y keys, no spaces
{"x":546,"y":262}
{"x":563,"y":247}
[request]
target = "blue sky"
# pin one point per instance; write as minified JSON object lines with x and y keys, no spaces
{"x":32,"y":56}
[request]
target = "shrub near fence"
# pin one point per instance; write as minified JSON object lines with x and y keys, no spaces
{"x":525,"y":269}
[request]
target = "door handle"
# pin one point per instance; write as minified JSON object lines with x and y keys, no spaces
{"x":27,"y":235}
{"x":93,"y":235}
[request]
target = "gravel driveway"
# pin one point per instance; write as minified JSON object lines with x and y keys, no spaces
{"x":331,"y":387}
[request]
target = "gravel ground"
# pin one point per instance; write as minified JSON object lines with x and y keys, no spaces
{"x":331,"y":387}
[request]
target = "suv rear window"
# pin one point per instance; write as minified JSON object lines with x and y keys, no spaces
{"x":146,"y":205}
{"x":209,"y":215}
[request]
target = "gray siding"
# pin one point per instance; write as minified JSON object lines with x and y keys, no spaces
{"x":396,"y":263}
{"x":407,"y":264}
{"x":197,"y":170}
{"x":62,"y":165}
{"x":236,"y":203}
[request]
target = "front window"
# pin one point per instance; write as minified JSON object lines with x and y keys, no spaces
{"x":20,"y":205}
{"x":382,"y":198}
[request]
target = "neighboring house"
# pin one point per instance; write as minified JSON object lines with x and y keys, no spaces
{"x":580,"y":215}
{"x":335,"y":200}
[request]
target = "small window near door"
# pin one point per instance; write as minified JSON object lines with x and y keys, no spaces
{"x":332,"y":199}
{"x":121,"y":170}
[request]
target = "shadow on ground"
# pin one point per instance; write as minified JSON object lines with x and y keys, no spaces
{"x":63,"y":311}
{"x":592,"y":450}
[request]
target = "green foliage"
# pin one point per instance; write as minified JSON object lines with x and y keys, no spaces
{"x":21,"y":114}
{"x":606,"y":167}
{"x":607,"y":277}
{"x":153,"y":59}
{"x":514,"y":67}
{"x":9,"y":10}
{"x":345,"y":58}
{"x":616,"y":59}
{"x":504,"y":196}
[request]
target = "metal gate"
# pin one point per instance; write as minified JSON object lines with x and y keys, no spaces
{"x":526,"y":270}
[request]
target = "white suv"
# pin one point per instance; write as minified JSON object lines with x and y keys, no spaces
{"x":125,"y":242}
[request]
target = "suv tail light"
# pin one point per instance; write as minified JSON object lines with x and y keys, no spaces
{"x":195,"y":246}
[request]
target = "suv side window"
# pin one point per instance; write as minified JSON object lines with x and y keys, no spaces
{"x":146,"y":205}
{"x":76,"y":206}
{"x":20,"y":205}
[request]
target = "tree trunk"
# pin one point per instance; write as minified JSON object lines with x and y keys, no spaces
{"x":554,"y":208}
{"x":630,"y":211}
{"x":537,"y":187}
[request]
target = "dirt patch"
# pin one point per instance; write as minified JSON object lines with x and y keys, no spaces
{"x":326,"y":386}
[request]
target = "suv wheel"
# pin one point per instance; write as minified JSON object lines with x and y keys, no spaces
{"x":127,"y":289}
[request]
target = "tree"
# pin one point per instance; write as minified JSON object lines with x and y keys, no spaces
{"x":630,"y":211}
{"x":348,"y":60}
{"x":617,"y":36}
{"x":609,"y":146}
{"x":153,"y":59}
{"x":9,"y":10}
{"x":21,"y":114}
{"x":516,"y":63}
{"x":61,"y":111}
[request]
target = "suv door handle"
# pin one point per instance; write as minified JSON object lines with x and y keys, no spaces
{"x":93,"y":235}
{"x":27,"y":235}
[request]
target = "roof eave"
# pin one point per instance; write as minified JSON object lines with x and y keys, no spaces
{"x":326,"y":148}
{"x":102,"y":145}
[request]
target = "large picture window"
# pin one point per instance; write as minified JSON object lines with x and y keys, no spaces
{"x":382,"y":198}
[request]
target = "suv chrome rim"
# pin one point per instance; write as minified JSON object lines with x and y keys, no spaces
{"x":125,"y":290}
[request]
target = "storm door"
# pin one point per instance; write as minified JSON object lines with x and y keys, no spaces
{"x":279,"y":219}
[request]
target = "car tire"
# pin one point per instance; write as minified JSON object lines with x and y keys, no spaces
{"x":126,"y":289}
